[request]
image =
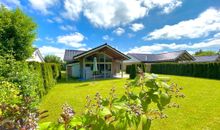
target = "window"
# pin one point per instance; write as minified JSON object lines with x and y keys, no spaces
{"x":99,"y":57}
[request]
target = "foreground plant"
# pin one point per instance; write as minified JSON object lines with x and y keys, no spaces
{"x":18,"y":95}
{"x":136,"y":108}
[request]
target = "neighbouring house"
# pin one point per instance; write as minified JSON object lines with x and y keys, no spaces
{"x":80,"y":63}
{"x":36,"y":56}
{"x":177,"y":56}
{"x":214,"y":58}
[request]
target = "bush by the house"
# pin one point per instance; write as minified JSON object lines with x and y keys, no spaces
{"x":204,"y":70}
{"x":127,"y":69}
{"x":132,"y":69}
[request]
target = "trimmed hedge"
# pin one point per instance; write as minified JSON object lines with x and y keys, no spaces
{"x":48,"y":73}
{"x":204,"y":70}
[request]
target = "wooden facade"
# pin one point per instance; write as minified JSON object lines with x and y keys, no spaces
{"x":109,"y":63}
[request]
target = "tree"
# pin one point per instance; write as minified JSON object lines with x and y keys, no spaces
{"x":52,"y":59}
{"x":205,"y":53}
{"x":17,"y":33}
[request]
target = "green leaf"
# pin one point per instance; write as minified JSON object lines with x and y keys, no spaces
{"x":75,"y":122}
{"x":146,"y":123}
{"x":105,"y":102}
{"x":105,"y":111}
{"x":164,"y":99}
{"x":165,"y":86}
{"x":45,"y":125}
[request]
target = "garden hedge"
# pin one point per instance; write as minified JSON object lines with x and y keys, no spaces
{"x":204,"y":70}
{"x":48,"y":75}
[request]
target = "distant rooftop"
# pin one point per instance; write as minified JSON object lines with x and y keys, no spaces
{"x":207,"y":58}
{"x":163,"y":57}
{"x":69,"y":54}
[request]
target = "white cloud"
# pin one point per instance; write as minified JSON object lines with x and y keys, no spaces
{"x":11,"y":3}
{"x":130,"y":35}
{"x":112,"y":13}
{"x":209,"y":43}
{"x":68,"y":28}
{"x":72,"y":9}
{"x":166,"y":5}
{"x":119,"y":31}
{"x":43,"y":5}
{"x":73,"y":40}
{"x":107,"y":38}
{"x":50,"y":50}
{"x":49,"y":39}
{"x":137,"y":27}
{"x":58,"y":19}
{"x":38,"y":39}
{"x":203,"y":25}
{"x":50,"y":21}
{"x":217,"y":35}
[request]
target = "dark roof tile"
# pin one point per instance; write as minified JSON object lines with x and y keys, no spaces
{"x":163,"y":57}
{"x":69,"y":54}
{"x":207,"y":58}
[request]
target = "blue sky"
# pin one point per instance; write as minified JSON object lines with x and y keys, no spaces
{"x":135,"y":26}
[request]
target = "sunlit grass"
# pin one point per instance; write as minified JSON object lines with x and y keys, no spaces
{"x":199,"y":110}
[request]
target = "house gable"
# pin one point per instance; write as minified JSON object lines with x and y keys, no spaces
{"x":36,"y":56}
{"x":105,"y":48}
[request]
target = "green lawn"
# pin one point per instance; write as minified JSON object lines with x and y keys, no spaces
{"x":199,"y":110}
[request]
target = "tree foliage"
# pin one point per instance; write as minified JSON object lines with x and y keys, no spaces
{"x":52,"y":59}
{"x":17,"y":33}
{"x":205,"y":53}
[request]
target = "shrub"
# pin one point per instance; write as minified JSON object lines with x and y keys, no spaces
{"x":18,"y":94}
{"x":128,"y":69}
{"x":133,"y":71}
{"x":204,"y":70}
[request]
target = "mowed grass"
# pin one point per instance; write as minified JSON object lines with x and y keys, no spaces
{"x":200,"y":109}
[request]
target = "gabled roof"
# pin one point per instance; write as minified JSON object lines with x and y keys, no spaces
{"x":69,"y":54}
{"x":163,"y":57}
{"x":36,"y":56}
{"x":213,"y":58}
{"x":131,"y":60}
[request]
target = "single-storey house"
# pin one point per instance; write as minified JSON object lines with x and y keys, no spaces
{"x":214,"y":58}
{"x":36,"y":56}
{"x":177,"y":56}
{"x":80,"y":63}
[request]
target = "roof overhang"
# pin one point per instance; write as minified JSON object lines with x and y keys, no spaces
{"x":107,"y":50}
{"x":185,"y":56}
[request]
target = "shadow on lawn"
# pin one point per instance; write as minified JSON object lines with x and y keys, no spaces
{"x":86,"y":81}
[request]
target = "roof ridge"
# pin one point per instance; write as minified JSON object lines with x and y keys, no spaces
{"x":73,"y":49}
{"x":157,"y":53}
{"x":204,"y":56}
